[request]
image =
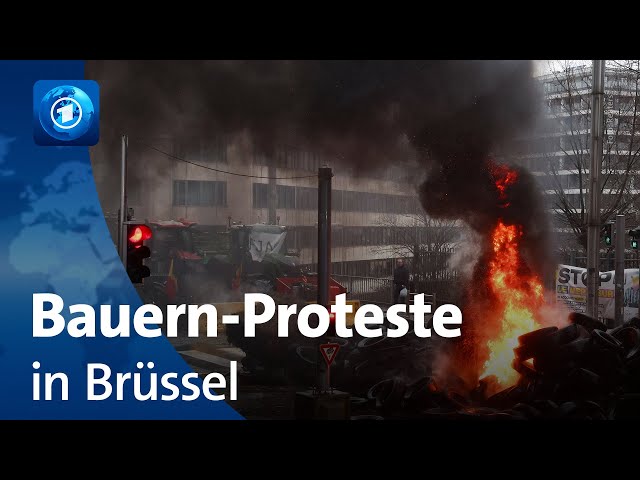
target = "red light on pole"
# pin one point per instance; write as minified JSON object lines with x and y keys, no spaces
{"x":137,"y":252}
{"x":139,"y":233}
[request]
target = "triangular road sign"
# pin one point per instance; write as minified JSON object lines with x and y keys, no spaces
{"x":329,"y":352}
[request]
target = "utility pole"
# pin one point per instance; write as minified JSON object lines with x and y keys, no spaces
{"x":619,"y":275}
{"x":324,"y":258}
{"x":593,"y":232}
{"x":324,"y":234}
{"x":122,"y":214}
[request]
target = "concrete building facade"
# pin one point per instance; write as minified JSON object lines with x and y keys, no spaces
{"x":558,"y":151}
{"x":169,"y":181}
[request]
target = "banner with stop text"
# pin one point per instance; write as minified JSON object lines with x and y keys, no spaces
{"x":571,"y":289}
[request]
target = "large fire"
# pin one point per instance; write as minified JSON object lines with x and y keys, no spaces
{"x":517,"y":291}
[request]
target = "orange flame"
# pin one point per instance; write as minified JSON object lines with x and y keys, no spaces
{"x":517,"y":291}
{"x":519,"y":297}
{"x":504,"y":177}
{"x":505,"y":299}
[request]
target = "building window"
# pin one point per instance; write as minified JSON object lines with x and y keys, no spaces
{"x":195,"y":193}
{"x":260,"y":195}
{"x":286,"y":196}
{"x":306,"y":198}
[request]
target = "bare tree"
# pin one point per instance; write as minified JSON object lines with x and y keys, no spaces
{"x":565,"y":143}
{"x":425,"y":242}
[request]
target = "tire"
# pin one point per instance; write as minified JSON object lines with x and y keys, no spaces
{"x":629,"y":337}
{"x":536,"y":335}
{"x":387,"y":393}
{"x":532,"y":343}
{"x":357,"y":402}
{"x":419,"y":395}
{"x":527,"y":410}
{"x":366,"y":417}
{"x":370,"y":344}
{"x":586,"y":321}
{"x":604,"y":340}
{"x":567,"y":409}
{"x":306,"y":354}
{"x":569,"y":334}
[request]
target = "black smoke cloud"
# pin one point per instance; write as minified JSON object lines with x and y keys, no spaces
{"x":356,"y":111}
{"x":451,"y":115}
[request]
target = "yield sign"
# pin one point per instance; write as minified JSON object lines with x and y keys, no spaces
{"x":329,"y":352}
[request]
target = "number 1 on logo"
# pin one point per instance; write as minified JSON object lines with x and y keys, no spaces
{"x":66,"y":113}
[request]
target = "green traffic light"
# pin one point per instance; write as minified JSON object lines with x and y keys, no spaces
{"x":607,"y":234}
{"x":634,"y":244}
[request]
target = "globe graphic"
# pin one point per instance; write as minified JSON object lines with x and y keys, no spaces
{"x":66,"y":112}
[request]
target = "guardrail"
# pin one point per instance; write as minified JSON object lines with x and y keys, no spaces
{"x":367,"y":289}
{"x":373,"y":289}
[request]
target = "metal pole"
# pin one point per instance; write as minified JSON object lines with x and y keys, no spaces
{"x":593,"y":232}
{"x":324,"y":260}
{"x":619,"y":276}
{"x":324,"y":234}
{"x":122,"y":232}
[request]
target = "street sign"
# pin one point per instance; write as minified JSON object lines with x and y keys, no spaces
{"x":329,"y":352}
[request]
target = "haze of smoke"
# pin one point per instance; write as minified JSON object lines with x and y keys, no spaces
{"x":553,"y":314}
{"x":464,"y":258}
{"x":452,"y":116}
{"x":361,"y":113}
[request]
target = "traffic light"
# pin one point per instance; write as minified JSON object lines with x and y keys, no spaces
{"x":607,"y":233}
{"x":137,"y":251}
{"x":635,"y":237}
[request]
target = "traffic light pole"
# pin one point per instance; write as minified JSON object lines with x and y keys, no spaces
{"x":325,"y":175}
{"x":619,"y":284}
{"x":593,"y":232}
{"x":122,"y":216}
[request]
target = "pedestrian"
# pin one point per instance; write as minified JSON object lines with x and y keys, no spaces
{"x":400,"y":281}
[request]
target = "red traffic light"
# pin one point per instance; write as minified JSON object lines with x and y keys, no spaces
{"x":139,"y":233}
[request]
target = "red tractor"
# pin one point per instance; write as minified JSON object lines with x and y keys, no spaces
{"x":190,"y":265}
{"x":175,"y":264}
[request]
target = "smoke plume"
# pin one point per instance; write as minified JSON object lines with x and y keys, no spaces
{"x":457,"y":118}
{"x":363,"y":113}
{"x":452,"y":116}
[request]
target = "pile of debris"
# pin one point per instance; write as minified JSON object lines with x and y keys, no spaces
{"x":364,"y":367}
{"x":583,"y":370}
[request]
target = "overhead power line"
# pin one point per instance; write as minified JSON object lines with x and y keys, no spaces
{"x":226,"y":172}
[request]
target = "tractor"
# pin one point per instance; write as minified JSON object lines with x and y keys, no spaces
{"x":190,"y":265}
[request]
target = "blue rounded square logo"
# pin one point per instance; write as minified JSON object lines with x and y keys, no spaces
{"x":66,"y":112}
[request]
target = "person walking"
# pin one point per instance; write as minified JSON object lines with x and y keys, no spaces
{"x":400,"y":281}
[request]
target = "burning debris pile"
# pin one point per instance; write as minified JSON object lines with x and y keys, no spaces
{"x":582,"y":370}
{"x":452,"y":117}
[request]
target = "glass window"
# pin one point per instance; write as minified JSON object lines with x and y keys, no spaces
{"x":199,"y":193}
{"x":260,"y":195}
{"x":179,"y":187}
